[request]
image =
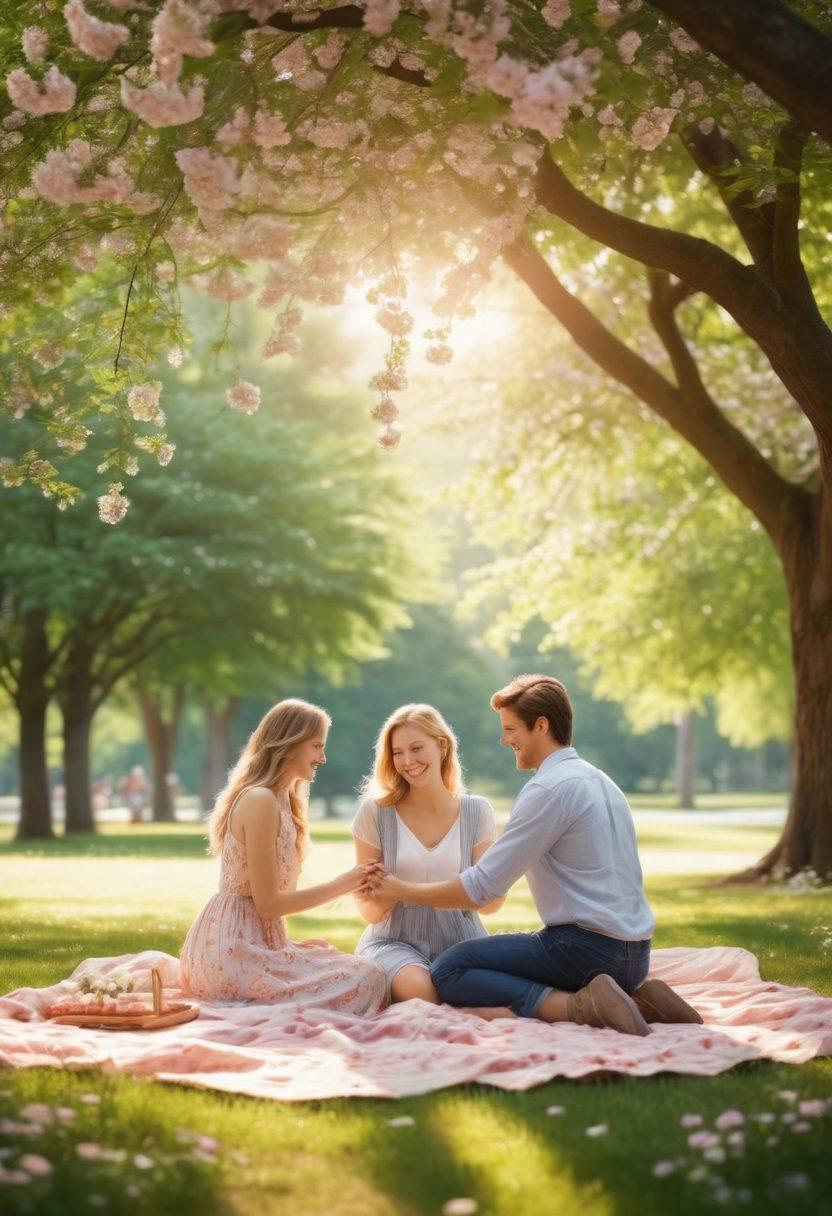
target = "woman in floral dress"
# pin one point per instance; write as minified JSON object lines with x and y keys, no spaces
{"x":238,"y":948}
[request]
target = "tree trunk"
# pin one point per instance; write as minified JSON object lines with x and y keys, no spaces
{"x":806,"y":841}
{"x":218,"y":722}
{"x":161,"y":741}
{"x":686,"y":759}
{"x":77,"y":727}
{"x":32,"y":701}
{"x":76,"y":698}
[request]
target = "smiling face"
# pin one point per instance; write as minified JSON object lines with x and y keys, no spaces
{"x":417,"y":756}
{"x":532,"y":745}
{"x":307,"y":757}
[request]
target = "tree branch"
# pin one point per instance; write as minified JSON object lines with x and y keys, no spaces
{"x":732,"y":456}
{"x":700,"y":264}
{"x":714,"y":153}
{"x":788,"y":159}
{"x":769,"y":43}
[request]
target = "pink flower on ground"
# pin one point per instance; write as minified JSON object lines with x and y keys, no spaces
{"x":162,"y":105}
{"x":35,"y":1165}
{"x":13,"y":1177}
{"x":39,"y":1112}
{"x":812,"y":1107}
{"x":801,"y":1127}
{"x":90,"y":1099}
{"x":728,"y":1119}
{"x":787,"y":1095}
{"x":143,"y":1162}
{"x":662,"y":1168}
{"x":88,"y":1150}
{"x":64,"y":1114}
{"x":55,"y":94}
{"x":98,"y":39}
{"x":703,"y":1139}
{"x":244,"y":397}
{"x":691,"y":1121}
{"x":765,"y":1116}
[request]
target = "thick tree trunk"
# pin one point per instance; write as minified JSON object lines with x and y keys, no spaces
{"x":77,"y":707}
{"x":32,"y":701}
{"x":218,"y":723}
{"x":161,"y":741}
{"x":806,"y":842}
{"x":77,"y":783}
{"x":686,"y":759}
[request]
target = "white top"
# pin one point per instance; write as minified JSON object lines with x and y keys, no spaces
{"x":415,"y":862}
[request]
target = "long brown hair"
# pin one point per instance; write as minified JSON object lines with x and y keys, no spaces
{"x":263,"y":762}
{"x":386,"y":786}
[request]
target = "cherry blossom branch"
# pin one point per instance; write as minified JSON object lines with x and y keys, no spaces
{"x":769,"y":43}
{"x":732,"y":456}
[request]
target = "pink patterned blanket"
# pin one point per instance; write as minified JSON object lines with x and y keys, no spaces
{"x":288,"y":1053}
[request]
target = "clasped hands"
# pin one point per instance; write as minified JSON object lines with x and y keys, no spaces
{"x":377,"y":882}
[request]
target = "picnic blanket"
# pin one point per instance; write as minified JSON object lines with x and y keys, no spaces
{"x":290,"y":1053}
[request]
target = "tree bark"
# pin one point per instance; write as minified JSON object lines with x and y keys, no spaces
{"x":77,"y":727}
{"x":77,"y":706}
{"x":161,"y":740}
{"x":686,"y":759}
{"x":35,"y":821}
{"x":769,"y":43}
{"x":218,"y":722}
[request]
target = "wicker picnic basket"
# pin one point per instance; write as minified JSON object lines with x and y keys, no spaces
{"x":162,"y":1015}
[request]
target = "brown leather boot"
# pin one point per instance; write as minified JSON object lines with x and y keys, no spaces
{"x":602,"y":1003}
{"x":657,"y":1002}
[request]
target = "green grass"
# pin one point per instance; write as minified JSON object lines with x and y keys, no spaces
{"x":128,"y":889}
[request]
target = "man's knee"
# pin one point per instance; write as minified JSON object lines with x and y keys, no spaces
{"x":450,"y":962}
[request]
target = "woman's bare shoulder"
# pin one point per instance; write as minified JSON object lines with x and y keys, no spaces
{"x":258,"y":803}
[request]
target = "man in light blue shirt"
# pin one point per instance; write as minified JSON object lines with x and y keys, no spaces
{"x":571,"y":833}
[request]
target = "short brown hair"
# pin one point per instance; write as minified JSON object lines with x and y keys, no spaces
{"x":533,"y":697}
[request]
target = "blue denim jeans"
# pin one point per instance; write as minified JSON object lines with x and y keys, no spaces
{"x":520,"y":969}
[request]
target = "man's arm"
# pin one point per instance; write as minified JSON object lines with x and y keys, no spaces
{"x":536,"y":822}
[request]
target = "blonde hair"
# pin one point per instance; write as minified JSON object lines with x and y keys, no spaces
{"x":385,"y":785}
{"x":263,"y":762}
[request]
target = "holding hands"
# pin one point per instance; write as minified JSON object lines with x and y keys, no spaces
{"x":379,"y":883}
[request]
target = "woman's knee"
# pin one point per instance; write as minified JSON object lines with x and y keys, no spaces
{"x":413,"y":983}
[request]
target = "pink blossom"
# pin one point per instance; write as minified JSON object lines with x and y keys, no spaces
{"x":243,"y":397}
{"x":55,"y":177}
{"x":662,"y":1168}
{"x":556,"y":13}
{"x":787,"y":1095}
{"x":34,"y":42}
{"x":270,"y":130}
{"x":650,"y":129}
{"x":35,"y":1165}
{"x":609,"y":11}
{"x":628,"y":44}
{"x":329,"y":53}
{"x":143,"y":1162}
{"x":801,"y":1126}
{"x":237,"y":131}
{"x":210,"y":179}
{"x":280,"y":343}
{"x":143,"y":400}
{"x":266,"y":237}
{"x":10,"y":1127}
{"x":388,"y":437}
{"x":292,"y":60}
{"x":812,"y":1107}
{"x":728,"y":1119}
{"x":715,"y":1153}
{"x":112,"y":507}
{"x":98,"y":39}
{"x":380,"y":16}
{"x":683,"y":42}
{"x":162,"y":105}
{"x":89,"y":1150}
{"x":39,"y":1112}
{"x":178,"y":31}
{"x":53,"y":95}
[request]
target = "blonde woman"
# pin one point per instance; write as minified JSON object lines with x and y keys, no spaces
{"x":418,"y":822}
{"x":238,"y":948}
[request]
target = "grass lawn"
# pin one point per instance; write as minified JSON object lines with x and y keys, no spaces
{"x":127,"y":889}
